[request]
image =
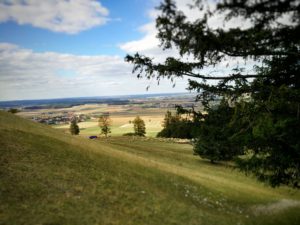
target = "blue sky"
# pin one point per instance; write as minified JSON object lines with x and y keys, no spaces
{"x":76,"y":48}
{"x":124,"y":19}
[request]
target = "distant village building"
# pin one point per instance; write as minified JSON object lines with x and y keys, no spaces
{"x":63,"y":118}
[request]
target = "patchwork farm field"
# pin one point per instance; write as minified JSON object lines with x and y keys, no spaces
{"x":50,"y":177}
{"x":121,"y":117}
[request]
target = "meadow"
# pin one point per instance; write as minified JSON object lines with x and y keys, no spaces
{"x":50,"y":177}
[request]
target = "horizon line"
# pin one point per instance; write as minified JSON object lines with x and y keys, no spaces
{"x":100,"y":96}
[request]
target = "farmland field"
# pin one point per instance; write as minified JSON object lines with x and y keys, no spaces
{"x":152,"y":111}
{"x":120,"y":125}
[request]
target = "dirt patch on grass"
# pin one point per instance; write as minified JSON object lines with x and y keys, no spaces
{"x":275,"y":207}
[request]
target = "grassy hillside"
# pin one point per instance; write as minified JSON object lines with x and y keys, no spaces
{"x":48,"y":177}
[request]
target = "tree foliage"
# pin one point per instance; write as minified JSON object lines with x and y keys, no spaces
{"x":74,"y":128}
{"x":13,"y":110}
{"x":104,"y":123}
{"x":265,"y":127}
{"x":176,"y":126}
{"x":139,"y":126}
{"x":215,"y":140}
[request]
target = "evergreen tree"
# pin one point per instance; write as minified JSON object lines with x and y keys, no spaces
{"x":215,"y":137}
{"x":267,"y":123}
{"x":139,"y":126}
{"x":74,"y":128}
{"x":104,"y":122}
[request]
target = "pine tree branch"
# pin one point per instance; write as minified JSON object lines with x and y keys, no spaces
{"x":230,"y":77}
{"x":263,"y":53}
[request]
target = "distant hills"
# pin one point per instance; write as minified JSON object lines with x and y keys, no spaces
{"x":69,"y":102}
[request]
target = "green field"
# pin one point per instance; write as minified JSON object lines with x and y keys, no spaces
{"x":50,"y":177}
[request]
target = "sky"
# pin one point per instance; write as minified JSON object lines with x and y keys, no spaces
{"x":76,"y":48}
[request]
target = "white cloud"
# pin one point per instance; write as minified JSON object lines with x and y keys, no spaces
{"x":26,"y":74}
{"x":149,"y":44}
{"x":67,"y":16}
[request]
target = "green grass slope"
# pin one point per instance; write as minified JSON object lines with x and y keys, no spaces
{"x":48,"y":177}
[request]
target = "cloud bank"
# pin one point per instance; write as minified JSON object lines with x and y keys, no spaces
{"x":26,"y":74}
{"x":66,"y":16}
